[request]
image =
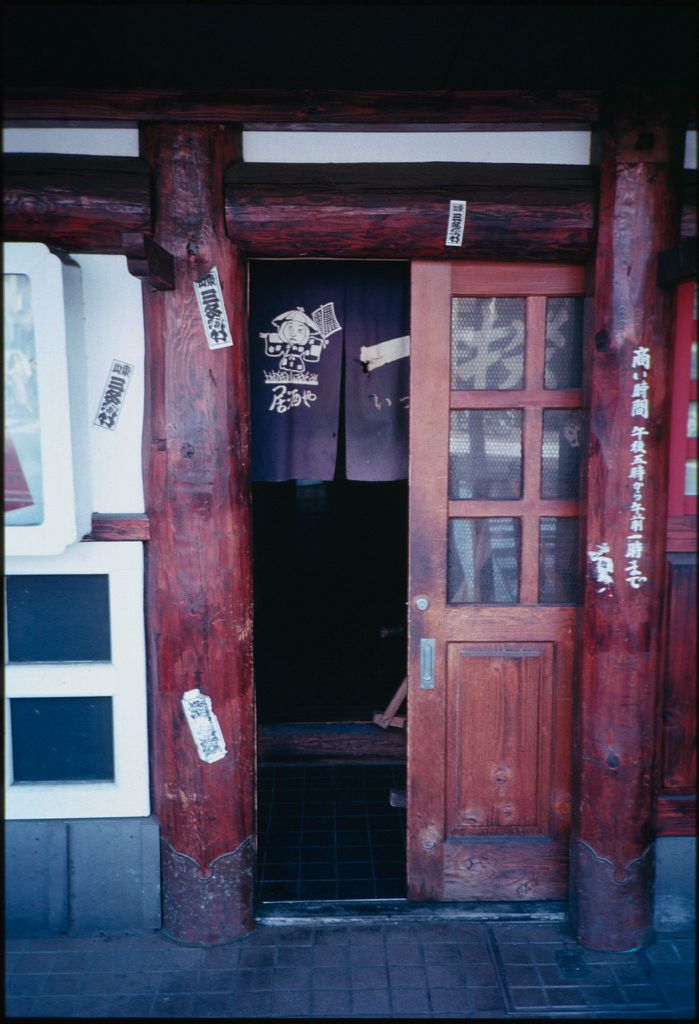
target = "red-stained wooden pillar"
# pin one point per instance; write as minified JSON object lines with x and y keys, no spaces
{"x":612,"y":852}
{"x":198,"y":589}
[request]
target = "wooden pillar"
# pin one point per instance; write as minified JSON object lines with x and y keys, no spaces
{"x":612,"y":852}
{"x":198,"y":589}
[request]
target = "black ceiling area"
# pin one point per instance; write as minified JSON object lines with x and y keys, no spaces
{"x":349,"y":46}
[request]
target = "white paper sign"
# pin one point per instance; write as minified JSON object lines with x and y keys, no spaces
{"x":213,"y":312}
{"x":113,"y":395}
{"x":457,"y":221}
{"x":204,"y":727}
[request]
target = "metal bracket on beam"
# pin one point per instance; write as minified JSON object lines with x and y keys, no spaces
{"x":149,"y":261}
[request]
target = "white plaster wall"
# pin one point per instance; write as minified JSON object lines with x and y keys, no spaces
{"x":417,"y":147}
{"x":113,"y":310}
{"x":85,"y":141}
{"x":347,"y":147}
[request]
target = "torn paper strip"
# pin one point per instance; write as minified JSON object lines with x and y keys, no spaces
{"x":204,"y":726}
{"x":373,"y":356}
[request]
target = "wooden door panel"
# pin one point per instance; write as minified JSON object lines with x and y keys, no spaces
{"x":499,"y":728}
{"x":521,"y":869}
{"x":489,"y":733}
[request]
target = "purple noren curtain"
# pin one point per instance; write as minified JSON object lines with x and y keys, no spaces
{"x":309,"y":321}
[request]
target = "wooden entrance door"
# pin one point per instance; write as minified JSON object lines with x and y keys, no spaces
{"x":495,"y":442}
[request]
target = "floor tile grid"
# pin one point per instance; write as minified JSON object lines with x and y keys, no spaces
{"x":622,"y":982}
{"x":431,"y":970}
{"x":331,"y":834}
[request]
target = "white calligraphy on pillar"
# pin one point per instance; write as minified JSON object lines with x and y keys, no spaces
{"x":640,"y":412}
{"x":603,"y":567}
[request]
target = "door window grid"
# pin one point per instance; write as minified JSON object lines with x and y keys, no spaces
{"x":551,"y":441}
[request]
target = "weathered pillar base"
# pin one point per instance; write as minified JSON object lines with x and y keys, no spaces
{"x":627,"y":898}
{"x":213,"y":908}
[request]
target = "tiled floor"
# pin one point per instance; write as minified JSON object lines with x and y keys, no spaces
{"x":328,"y":832}
{"x":386,"y":968}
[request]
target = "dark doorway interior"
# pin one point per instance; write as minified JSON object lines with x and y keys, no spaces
{"x":330,"y":650}
{"x":330,"y":590}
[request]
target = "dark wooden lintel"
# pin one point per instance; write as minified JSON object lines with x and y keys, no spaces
{"x":149,"y":261}
{"x":676,"y":815}
{"x":305,"y":109}
{"x":119,"y":526}
{"x":489,"y":177}
{"x":677,"y":264}
{"x":329,"y":742}
{"x":80,"y":203}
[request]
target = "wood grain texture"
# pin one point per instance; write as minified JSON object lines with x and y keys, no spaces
{"x":332,"y":743}
{"x":521,"y":869}
{"x":642,"y":143}
{"x":272,"y":221}
{"x":119,"y":526}
{"x":676,"y":815}
{"x":681,"y":533}
{"x":429,"y":425}
{"x":678,"y":754}
{"x":262,"y":108}
{"x":499,"y":729}
{"x":149,"y":261}
{"x":196,"y":453}
{"x":517,"y":710}
{"x":80,"y":203}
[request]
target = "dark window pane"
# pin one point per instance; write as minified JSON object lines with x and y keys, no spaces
{"x":559,"y":580}
{"x":487,"y":344}
{"x":564,"y":324}
{"x":58,"y":618}
{"x":485,"y":453}
{"x":561,"y":445}
{"x":62,"y":739}
{"x":483,"y":561}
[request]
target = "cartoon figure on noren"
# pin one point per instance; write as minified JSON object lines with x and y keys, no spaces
{"x":299,"y":339}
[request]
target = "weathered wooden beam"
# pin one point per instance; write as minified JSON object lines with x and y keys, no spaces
{"x":612,"y":843}
{"x":198,"y":569}
{"x":677,"y":815}
{"x":149,"y":261}
{"x":392,"y":210}
{"x":678,"y":264}
{"x":80,"y":203}
{"x":118,"y":526}
{"x":329,"y":742}
{"x":326,"y":110}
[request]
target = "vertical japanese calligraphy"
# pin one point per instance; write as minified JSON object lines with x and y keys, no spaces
{"x":213,"y":311}
{"x":457,"y":221}
{"x":113,"y":395}
{"x":640,"y":412}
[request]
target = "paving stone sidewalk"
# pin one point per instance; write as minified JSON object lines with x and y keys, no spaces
{"x":380,"y":969}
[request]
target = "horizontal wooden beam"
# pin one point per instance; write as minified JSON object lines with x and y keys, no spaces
{"x":327,"y":110}
{"x":89,"y":204}
{"x":119,"y":526}
{"x":80,"y":203}
{"x":483,"y":179}
{"x":330,"y":742}
{"x":275,"y":221}
{"x":676,"y":815}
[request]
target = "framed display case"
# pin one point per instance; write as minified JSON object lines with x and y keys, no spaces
{"x":47,"y":503}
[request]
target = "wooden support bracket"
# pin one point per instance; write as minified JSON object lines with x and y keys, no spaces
{"x":389,"y":716}
{"x":149,"y":261}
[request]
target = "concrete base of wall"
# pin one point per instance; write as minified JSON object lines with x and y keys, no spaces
{"x":85,"y":877}
{"x":675,"y":883}
{"x":102,"y":876}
